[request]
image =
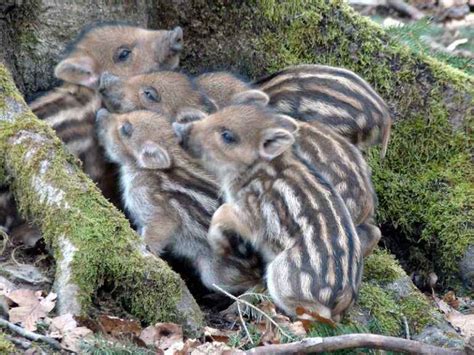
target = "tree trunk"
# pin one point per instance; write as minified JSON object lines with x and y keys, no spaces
{"x":92,"y":242}
{"x":423,"y":185}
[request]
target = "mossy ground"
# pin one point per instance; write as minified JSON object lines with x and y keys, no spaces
{"x":6,"y":347}
{"x":425,"y":183}
{"x":386,"y":307}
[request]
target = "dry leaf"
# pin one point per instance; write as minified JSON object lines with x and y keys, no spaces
{"x":215,"y":348}
{"x":464,"y":322}
{"x":450,"y":298}
{"x":65,"y":327}
{"x":162,"y":335}
{"x":31,"y":307}
{"x":297,"y":329}
{"x":213,"y":334}
{"x":116,"y":326}
{"x":63,"y":324}
{"x":72,"y":339}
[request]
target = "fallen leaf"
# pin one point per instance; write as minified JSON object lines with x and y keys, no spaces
{"x":215,"y":348}
{"x":116,"y":326}
{"x":213,"y":334}
{"x":450,"y":298}
{"x":63,"y":324}
{"x":31,"y":307}
{"x":65,"y":327}
{"x":162,"y":335}
{"x":72,"y":339}
{"x":443,"y":306}
{"x":463,"y":322}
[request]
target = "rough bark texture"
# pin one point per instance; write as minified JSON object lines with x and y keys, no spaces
{"x":425,"y":183}
{"x":92,"y":242}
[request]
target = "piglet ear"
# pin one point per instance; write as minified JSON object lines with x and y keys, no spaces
{"x":176,"y":40}
{"x":257,"y":97}
{"x":78,"y":70}
{"x":286,"y":122}
{"x":153,"y":156}
{"x":275,"y":141}
{"x":188,"y":115}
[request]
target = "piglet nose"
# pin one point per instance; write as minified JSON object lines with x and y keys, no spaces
{"x":107,"y":80}
{"x":181,"y":130}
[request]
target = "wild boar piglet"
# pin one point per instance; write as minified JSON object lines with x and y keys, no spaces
{"x":70,"y":108}
{"x":170,"y":198}
{"x":123,"y":50}
{"x":335,"y":96}
{"x":294,"y":218}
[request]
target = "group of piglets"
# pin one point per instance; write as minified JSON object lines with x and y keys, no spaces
{"x":258,"y":183}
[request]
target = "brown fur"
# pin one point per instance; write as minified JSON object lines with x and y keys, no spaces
{"x":331,"y":155}
{"x":334,"y":96}
{"x":70,"y":108}
{"x":295,"y":219}
{"x":170,"y":198}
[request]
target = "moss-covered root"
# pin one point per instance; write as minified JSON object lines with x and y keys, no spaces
{"x":92,"y":242}
{"x":390,"y":304}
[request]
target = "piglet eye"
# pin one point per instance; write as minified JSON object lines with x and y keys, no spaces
{"x":126,"y":129}
{"x":228,"y":137}
{"x":122,"y":54}
{"x":151,"y":94}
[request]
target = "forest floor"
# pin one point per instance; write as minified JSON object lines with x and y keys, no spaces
{"x":443,"y":29}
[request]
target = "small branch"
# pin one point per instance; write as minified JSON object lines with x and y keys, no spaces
{"x":406,"y":9}
{"x":248,"y":304}
{"x":30,"y":335}
{"x":407,"y":328}
{"x":351,"y":341}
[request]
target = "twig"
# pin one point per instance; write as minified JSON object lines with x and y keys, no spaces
{"x":406,"y":9}
{"x":30,"y":335}
{"x":351,"y":341}
{"x":248,"y":304}
{"x":243,"y":323}
{"x":21,"y":343}
{"x":407,"y":328}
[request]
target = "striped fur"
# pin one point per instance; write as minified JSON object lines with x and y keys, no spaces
{"x":336,"y":159}
{"x":170,"y":198}
{"x":334,"y":96}
{"x":293,"y":217}
{"x":70,"y":108}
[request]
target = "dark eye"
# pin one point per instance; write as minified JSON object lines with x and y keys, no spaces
{"x":228,"y":137}
{"x":123,"y":54}
{"x":126,"y":129}
{"x":151,"y":94}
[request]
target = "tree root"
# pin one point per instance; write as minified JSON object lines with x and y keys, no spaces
{"x":351,"y":341}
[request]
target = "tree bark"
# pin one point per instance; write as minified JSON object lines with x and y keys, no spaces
{"x":92,"y":242}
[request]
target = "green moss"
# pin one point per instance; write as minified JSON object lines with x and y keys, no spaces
{"x":382,"y":308}
{"x":425,"y":190}
{"x":425,"y":184}
{"x":6,"y":347}
{"x":381,"y":266}
{"x":417,"y":311}
{"x":7,"y":89}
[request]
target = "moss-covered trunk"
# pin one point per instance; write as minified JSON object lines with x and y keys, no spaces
{"x":92,"y":242}
{"x":425,"y":183}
